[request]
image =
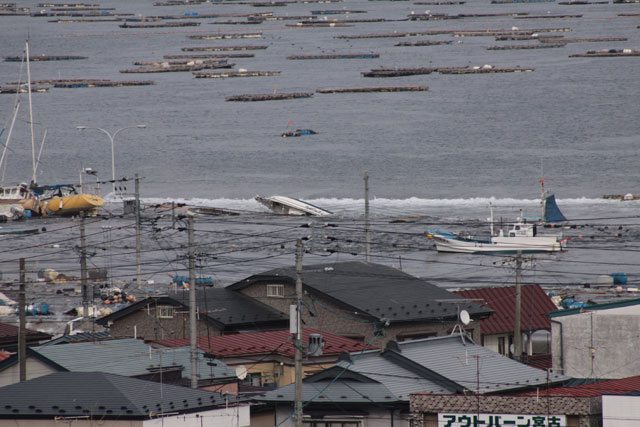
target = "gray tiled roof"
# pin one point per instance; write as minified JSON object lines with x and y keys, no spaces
{"x":340,"y":391}
{"x":450,"y":358}
{"x":128,"y":357}
{"x":461,"y":362}
{"x":100,"y":396}
{"x":401,"y":381}
{"x":376,"y":290}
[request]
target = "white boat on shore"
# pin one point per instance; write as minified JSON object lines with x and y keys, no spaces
{"x":289,"y":206}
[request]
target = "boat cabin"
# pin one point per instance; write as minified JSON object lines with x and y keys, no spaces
{"x":15,"y":192}
{"x":521,"y":229}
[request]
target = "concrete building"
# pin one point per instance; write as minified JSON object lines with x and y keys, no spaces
{"x":598,"y":341}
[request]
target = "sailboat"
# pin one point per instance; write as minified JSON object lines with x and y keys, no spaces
{"x":49,"y":199}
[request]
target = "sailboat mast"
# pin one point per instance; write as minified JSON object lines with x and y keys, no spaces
{"x":33,"y":144}
{"x":542,"y":218}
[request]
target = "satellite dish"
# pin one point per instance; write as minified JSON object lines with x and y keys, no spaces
{"x":464,"y":317}
{"x":241,"y":372}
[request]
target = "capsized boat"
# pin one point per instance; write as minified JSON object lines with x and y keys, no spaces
{"x":289,"y":206}
{"x":299,"y":132}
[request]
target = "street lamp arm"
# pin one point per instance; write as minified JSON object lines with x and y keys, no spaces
{"x":127,"y":127}
{"x":111,"y":139}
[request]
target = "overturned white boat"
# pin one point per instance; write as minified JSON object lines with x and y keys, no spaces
{"x":289,"y":206}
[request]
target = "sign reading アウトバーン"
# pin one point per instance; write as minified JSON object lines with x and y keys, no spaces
{"x":500,"y":420}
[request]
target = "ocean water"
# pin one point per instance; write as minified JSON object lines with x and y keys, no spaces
{"x":445,"y":154}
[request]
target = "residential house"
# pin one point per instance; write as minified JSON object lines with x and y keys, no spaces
{"x":9,"y":335}
{"x":97,"y":398}
{"x":498,"y":329}
{"x":219,"y":310}
{"x":364,"y":301}
{"x":373,"y":387}
{"x":127,"y":357}
{"x":597,"y":341}
{"x":268,"y":357}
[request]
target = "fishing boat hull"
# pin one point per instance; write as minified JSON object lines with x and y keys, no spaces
{"x":508,"y":245}
{"x":290,"y":206}
{"x":72,"y":205}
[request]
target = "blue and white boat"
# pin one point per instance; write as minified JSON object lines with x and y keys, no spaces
{"x":522,"y":236}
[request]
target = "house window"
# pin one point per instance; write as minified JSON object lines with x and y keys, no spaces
{"x":276,"y":291}
{"x":165,"y":312}
{"x":416,"y":336}
{"x":253,"y":379}
{"x":501,"y":346}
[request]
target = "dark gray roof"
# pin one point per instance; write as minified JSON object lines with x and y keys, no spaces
{"x":129,"y":357}
{"x":100,"y":396}
{"x":375,"y":290}
{"x":224,"y":307}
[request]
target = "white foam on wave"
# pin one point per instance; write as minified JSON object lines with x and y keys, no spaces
{"x":469,"y":208}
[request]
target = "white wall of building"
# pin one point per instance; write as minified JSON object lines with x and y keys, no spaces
{"x":225,"y":417}
{"x":35,"y":369}
{"x":597,"y":344}
{"x":620,"y":411}
{"x":376,"y":418}
{"x":237,"y":416}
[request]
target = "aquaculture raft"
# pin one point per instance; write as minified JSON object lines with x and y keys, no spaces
{"x":44,"y":58}
{"x":607,"y":53}
{"x":398,"y":72}
{"x":22,"y":89}
{"x":161,"y":25}
{"x":556,"y":43}
{"x":101,"y":83}
{"x":220,"y":36}
{"x":376,"y":89}
{"x":178,"y":68}
{"x":269,"y":97}
{"x":221,"y":48}
{"x":337,"y":56}
{"x":222,"y":75}
{"x":210,"y":56}
{"x":424,"y":43}
{"x":484,"y":70}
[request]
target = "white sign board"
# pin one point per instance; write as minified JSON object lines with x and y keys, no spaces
{"x":500,"y":420}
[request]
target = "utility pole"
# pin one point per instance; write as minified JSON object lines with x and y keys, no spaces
{"x":83,"y":272}
{"x":517,"y":334}
{"x":22,"y":334}
{"x":138,"y":240}
{"x":298,"y":349}
{"x":366,"y":217}
{"x":192,"y":307}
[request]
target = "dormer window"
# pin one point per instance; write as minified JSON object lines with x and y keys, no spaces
{"x":275,"y":291}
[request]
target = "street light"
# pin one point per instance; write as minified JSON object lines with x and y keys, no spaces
{"x":111,"y":138}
